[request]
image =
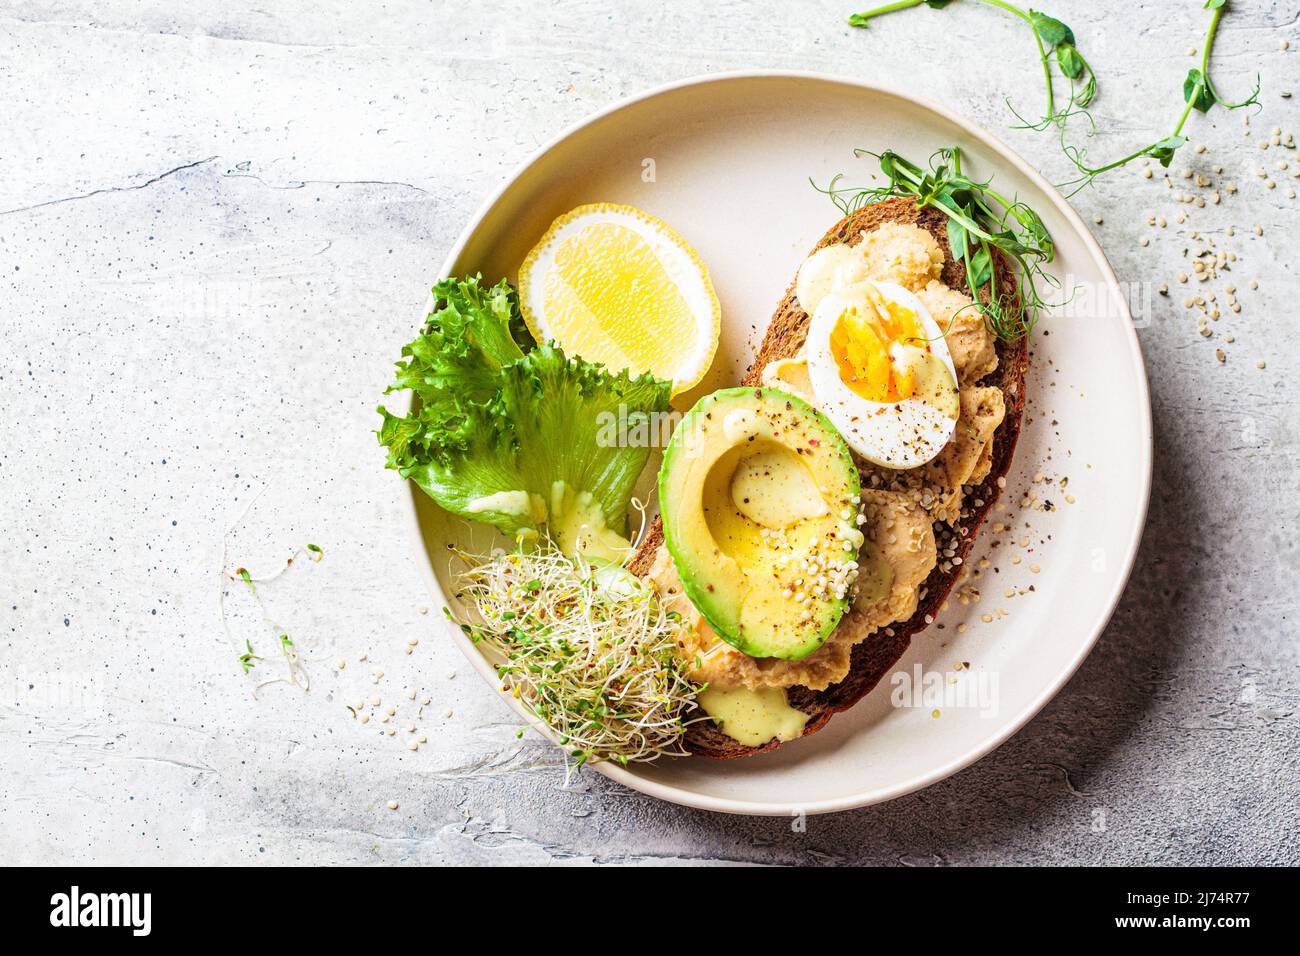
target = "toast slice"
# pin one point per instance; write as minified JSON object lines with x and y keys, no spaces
{"x":875,"y":656}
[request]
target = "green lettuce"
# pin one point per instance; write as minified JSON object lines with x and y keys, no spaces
{"x":515,"y":435}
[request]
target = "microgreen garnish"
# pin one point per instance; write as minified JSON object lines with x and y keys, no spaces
{"x":316,"y":550}
{"x":585,"y":646}
{"x":248,"y":660}
{"x":1056,"y":42}
{"x":1198,"y":94}
{"x":981,"y":222}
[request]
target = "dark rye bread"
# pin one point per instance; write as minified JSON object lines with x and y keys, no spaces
{"x":875,"y":656}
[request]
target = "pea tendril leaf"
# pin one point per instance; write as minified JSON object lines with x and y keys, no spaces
{"x":1055,"y":41}
{"x":1199,"y":94}
{"x":981,"y":223}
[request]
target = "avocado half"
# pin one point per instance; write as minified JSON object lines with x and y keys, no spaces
{"x":759,"y":495}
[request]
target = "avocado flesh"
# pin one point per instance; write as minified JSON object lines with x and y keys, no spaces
{"x":754,"y":483}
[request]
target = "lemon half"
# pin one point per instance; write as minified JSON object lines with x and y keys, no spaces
{"x":615,"y":285}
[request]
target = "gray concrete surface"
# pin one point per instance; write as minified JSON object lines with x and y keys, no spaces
{"x":218,"y":222}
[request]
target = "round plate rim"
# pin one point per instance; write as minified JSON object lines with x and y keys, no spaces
{"x":688,"y":798}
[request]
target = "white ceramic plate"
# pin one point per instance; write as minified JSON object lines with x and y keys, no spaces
{"x":726,"y":160}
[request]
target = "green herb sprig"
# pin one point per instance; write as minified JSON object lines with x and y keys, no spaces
{"x":249,"y":659}
{"x":1056,"y":42}
{"x":1199,"y":94}
{"x":981,"y":223}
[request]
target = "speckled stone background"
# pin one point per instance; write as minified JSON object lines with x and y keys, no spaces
{"x":220,"y":220}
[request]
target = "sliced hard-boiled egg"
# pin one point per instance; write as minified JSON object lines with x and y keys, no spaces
{"x":880,"y":370}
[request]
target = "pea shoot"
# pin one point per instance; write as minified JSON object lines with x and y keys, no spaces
{"x":1056,"y":43}
{"x":1199,"y":94}
{"x":1053,"y":39}
{"x":981,"y":223}
{"x":249,"y":659}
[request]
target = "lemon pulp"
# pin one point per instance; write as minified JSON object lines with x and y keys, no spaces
{"x":611,"y":298}
{"x":615,"y":285}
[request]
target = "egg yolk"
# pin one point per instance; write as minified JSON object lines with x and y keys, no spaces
{"x":862,"y":344}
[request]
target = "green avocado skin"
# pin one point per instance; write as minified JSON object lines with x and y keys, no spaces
{"x":694,"y":550}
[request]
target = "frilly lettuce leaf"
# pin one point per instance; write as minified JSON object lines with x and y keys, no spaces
{"x":510,"y":437}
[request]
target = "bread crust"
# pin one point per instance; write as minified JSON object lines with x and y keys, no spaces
{"x":875,"y":656}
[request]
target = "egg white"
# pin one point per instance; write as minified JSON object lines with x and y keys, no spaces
{"x":903,"y":434}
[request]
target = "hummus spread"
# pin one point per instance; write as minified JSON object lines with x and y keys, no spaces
{"x":969,"y":341}
{"x":900,"y":508}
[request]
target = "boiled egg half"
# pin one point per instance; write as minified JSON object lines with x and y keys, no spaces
{"x":880,"y":369}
